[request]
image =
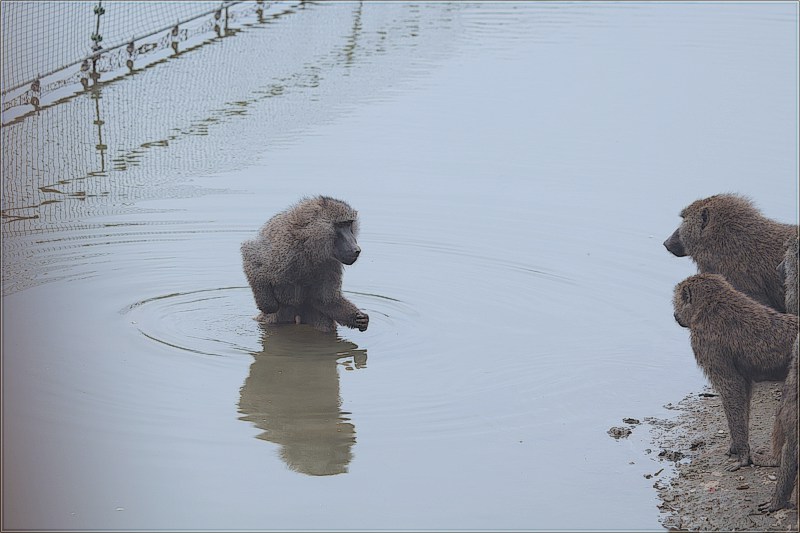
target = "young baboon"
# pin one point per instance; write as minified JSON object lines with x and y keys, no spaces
{"x":294,"y":265}
{"x":736,"y":341}
{"x":784,"y":432}
{"x":725,"y":234}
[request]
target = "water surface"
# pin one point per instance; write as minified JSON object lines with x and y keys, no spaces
{"x":516,"y":167}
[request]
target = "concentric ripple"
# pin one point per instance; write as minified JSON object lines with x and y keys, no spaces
{"x":220,"y":321}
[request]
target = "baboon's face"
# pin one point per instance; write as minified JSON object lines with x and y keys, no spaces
{"x":695,"y":219}
{"x":345,"y":247}
{"x":682,"y":302}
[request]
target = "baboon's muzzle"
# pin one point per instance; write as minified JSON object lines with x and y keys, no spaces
{"x":674,"y":245}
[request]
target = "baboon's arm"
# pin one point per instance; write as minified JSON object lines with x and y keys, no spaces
{"x":344,"y":312}
{"x":265,"y":298}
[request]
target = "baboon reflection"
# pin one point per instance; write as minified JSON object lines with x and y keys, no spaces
{"x":292,"y":393}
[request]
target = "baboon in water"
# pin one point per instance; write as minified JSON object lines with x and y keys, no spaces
{"x":294,"y":265}
{"x":725,"y":234}
{"x":784,"y":432}
{"x":736,"y":341}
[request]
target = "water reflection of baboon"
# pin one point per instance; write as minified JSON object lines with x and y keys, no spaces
{"x":292,"y":393}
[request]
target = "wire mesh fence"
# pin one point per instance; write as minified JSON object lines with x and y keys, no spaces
{"x":87,"y":168}
{"x":50,"y":48}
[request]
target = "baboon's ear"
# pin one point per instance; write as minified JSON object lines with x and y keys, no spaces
{"x":704,"y":218}
{"x":686,"y":294}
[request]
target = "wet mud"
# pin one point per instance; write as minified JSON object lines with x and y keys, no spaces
{"x":701,"y":495}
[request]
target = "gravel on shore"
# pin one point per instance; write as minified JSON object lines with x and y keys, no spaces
{"x":701,"y":495}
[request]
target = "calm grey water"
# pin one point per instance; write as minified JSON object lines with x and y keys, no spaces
{"x":516,"y":167}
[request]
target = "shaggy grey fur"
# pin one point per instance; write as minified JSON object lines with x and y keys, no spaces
{"x":294,"y":265}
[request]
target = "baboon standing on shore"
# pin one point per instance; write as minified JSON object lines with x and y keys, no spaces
{"x":294,"y":265}
{"x":736,"y":341}
{"x":725,"y":234}
{"x":784,"y":432}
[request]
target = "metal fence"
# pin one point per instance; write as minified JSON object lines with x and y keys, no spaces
{"x":52,"y":46}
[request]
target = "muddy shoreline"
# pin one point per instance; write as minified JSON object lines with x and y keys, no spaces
{"x":700,"y":495}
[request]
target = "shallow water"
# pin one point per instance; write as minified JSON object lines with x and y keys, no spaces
{"x":516,"y":168}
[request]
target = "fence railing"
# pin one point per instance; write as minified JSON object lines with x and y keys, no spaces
{"x":52,"y":48}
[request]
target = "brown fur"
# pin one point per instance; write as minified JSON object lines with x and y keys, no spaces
{"x":736,"y":341}
{"x":784,"y":432}
{"x":788,"y":268}
{"x":294,"y":265}
{"x":725,"y":234}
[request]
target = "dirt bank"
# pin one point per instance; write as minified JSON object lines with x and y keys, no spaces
{"x":702,"y":495}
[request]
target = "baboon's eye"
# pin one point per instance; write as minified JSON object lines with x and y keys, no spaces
{"x":686,"y":294}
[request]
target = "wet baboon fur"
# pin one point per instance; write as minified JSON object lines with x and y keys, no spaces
{"x":294,"y":265}
{"x":725,"y":234}
{"x":736,"y":341}
{"x":784,"y":431}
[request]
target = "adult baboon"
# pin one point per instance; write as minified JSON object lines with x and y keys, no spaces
{"x":725,"y":234}
{"x":736,"y":341}
{"x":294,"y":265}
{"x":784,"y":432}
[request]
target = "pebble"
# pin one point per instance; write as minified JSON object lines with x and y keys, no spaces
{"x":772,"y":477}
{"x":619,"y":432}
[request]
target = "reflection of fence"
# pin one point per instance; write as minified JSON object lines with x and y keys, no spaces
{"x":48,"y":46}
{"x":83,"y":165}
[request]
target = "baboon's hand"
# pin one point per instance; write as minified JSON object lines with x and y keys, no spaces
{"x":362,"y":321}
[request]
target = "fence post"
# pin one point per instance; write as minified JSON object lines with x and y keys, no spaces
{"x":217,"y":16}
{"x":99,"y":10}
{"x":175,"y":31}
{"x":35,"y":89}
{"x":130,"y":49}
